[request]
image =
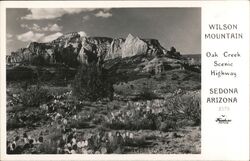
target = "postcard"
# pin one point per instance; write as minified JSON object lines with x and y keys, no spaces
{"x":124,"y":80}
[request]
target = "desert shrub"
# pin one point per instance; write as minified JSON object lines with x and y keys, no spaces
{"x":79,"y":124}
{"x":137,"y":142}
{"x":34,"y":96}
{"x":193,"y":110}
{"x":146,"y":94}
{"x":133,"y":123}
{"x":185,"y":150}
{"x":91,"y":83}
{"x":104,"y":112}
{"x":187,"y":78}
{"x":184,"y":122}
{"x":13,"y":124}
{"x":178,"y":111}
{"x":194,"y":68}
{"x":28,"y":118}
{"x":191,"y":107}
{"x":115,"y":124}
{"x":97,"y":120}
{"x":167,"y":125}
{"x":175,"y":77}
{"x":151,"y":137}
{"x":119,"y":92}
{"x":50,"y":146}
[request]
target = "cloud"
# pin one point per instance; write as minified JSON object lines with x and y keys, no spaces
{"x":9,"y":35}
{"x":30,"y":36}
{"x":82,"y":33}
{"x":34,"y":27}
{"x":52,"y":13}
{"x":51,"y":37}
{"x":9,"y":38}
{"x":40,"y":37}
{"x":103,"y":14}
{"x":85,"y":18}
{"x":53,"y":27}
{"x":38,"y":28}
{"x":24,"y":26}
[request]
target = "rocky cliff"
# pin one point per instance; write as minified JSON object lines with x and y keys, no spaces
{"x":73,"y":48}
{"x":133,"y":46}
{"x":115,"y":49}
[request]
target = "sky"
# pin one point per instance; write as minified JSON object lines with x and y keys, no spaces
{"x":178,"y":27}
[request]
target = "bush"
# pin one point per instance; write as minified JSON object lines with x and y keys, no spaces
{"x":193,"y":110}
{"x":175,"y":77}
{"x":13,"y":124}
{"x":167,"y":125}
{"x":38,"y":60}
{"x":34,"y":96}
{"x":133,"y":123}
{"x":28,"y":118}
{"x":147,"y":94}
{"x":91,"y":83}
{"x":191,"y":107}
{"x":79,"y":124}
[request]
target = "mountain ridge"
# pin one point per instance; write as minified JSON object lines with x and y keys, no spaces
{"x":79,"y":48}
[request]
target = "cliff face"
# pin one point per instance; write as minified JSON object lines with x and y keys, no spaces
{"x":115,"y":49}
{"x":133,"y":46}
{"x":83,"y":49}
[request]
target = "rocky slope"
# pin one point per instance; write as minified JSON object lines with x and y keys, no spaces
{"x":73,"y":48}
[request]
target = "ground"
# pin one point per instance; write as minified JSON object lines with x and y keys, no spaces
{"x":160,"y":114}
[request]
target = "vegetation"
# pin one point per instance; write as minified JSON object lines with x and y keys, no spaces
{"x":92,"y":84}
{"x":173,"y":53}
{"x":38,"y":60}
{"x":169,"y":115}
{"x":143,"y":113}
{"x":34,"y":96}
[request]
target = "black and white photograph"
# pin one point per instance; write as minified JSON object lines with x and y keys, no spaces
{"x":103,"y":80}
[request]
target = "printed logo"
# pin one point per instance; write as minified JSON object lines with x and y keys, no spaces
{"x":223,"y":120}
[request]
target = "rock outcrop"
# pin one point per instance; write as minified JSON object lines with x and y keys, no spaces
{"x":21,"y":55}
{"x":133,"y":46}
{"x":115,"y":49}
{"x":87,"y":49}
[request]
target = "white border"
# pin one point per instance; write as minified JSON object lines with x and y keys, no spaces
{"x":91,"y":4}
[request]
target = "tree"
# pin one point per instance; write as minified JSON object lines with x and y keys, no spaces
{"x":38,"y":60}
{"x":91,"y":83}
{"x":69,"y":57}
{"x":173,"y":53}
{"x":172,"y":49}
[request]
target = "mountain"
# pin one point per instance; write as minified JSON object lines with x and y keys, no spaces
{"x":72,"y":49}
{"x":122,"y":59}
